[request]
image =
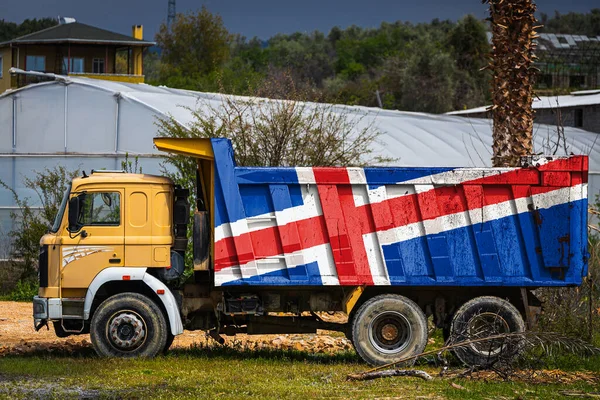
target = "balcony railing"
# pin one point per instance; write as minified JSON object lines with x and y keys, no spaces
{"x":20,"y":80}
{"x":110,"y":77}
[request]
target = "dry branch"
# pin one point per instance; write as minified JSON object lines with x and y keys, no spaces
{"x":390,"y":372}
{"x":580,"y":394}
{"x":547,"y":341}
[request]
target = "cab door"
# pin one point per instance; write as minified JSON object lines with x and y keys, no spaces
{"x":99,"y":244}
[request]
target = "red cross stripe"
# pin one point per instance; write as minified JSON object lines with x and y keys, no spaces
{"x":345,"y":225}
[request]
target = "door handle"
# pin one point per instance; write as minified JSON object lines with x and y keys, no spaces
{"x":114,"y":260}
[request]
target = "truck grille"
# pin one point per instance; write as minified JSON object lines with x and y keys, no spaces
{"x":43,"y":266}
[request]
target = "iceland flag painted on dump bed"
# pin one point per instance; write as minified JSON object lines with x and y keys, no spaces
{"x":310,"y":226}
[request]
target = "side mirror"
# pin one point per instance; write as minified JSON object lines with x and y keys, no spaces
{"x":73,"y":214}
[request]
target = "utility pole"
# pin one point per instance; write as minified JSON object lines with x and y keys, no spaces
{"x":171,"y":13}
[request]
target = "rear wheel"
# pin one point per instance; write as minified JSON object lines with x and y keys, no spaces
{"x":483,"y":317}
{"x":128,"y":325}
{"x":388,"y":328}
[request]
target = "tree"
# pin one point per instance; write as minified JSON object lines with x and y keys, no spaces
{"x":469,"y":44}
{"x":427,"y":80}
{"x":470,"y":49}
{"x":308,"y":55}
{"x":11,"y":30}
{"x":573,"y":23}
{"x":197,"y":44}
{"x":513,"y":31}
{"x":151,"y":66}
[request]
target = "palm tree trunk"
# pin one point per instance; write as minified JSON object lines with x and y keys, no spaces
{"x":513,"y":31}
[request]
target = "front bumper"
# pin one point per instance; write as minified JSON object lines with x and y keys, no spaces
{"x":40,"y":308}
{"x":40,"y":312}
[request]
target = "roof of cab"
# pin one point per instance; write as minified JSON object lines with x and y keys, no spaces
{"x":121,"y":177}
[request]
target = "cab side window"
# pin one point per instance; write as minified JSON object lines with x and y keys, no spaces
{"x":101,"y":209}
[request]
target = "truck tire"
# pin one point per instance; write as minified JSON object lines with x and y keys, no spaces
{"x":128,"y":325}
{"x":388,"y":328}
{"x":481,"y":317}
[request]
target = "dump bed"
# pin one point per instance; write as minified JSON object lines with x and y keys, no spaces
{"x":400,"y":226}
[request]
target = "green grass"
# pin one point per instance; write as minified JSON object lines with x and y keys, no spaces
{"x":240,"y":373}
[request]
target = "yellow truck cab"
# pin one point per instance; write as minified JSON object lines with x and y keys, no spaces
{"x":123,"y":227}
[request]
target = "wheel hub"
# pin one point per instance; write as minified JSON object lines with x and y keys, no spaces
{"x":390,"y":332}
{"x":127,"y":330}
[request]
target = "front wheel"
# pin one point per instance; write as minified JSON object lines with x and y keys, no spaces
{"x":388,"y":328}
{"x":128,"y":325}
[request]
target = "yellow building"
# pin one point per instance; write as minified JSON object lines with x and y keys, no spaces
{"x":74,"y":49}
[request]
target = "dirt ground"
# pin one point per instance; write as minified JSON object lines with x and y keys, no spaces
{"x":17,"y":335}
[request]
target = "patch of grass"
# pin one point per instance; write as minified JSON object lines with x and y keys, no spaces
{"x":436,"y":340}
{"x":572,"y":362}
{"x":237,"y":373}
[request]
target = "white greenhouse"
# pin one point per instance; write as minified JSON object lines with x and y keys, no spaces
{"x":91,"y":124}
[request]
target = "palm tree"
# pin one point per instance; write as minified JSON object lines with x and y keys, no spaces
{"x":513,"y":31}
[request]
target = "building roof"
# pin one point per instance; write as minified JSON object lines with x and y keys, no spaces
{"x":575,"y":99}
{"x":76,"y":32}
{"x":560,"y":41}
{"x":549,"y":41}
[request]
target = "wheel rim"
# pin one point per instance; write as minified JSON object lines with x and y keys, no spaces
{"x":484,"y":325}
{"x":126,"y":330}
{"x":390,"y":332}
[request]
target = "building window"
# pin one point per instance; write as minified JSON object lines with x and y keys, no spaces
{"x":36,"y":63}
{"x":578,"y":118}
{"x":98,"y":66}
{"x":1,"y":66}
{"x":76,"y":65}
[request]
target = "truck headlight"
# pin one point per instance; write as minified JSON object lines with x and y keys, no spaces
{"x":38,"y":308}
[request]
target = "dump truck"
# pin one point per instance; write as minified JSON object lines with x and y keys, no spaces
{"x":274,"y":249}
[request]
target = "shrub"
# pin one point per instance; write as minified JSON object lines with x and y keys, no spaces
{"x":23,"y":291}
{"x":31,"y":223}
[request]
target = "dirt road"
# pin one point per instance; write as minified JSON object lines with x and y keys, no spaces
{"x":17,"y":335}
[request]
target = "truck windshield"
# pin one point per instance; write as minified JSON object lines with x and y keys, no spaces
{"x":61,"y":210}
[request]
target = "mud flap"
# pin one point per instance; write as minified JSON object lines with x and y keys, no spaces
{"x":201,"y":240}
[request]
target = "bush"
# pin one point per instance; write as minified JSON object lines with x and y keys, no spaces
{"x":31,"y":223}
{"x":575,"y":311}
{"x":24,"y":291}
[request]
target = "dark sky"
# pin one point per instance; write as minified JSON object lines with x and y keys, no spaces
{"x":263,"y":18}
